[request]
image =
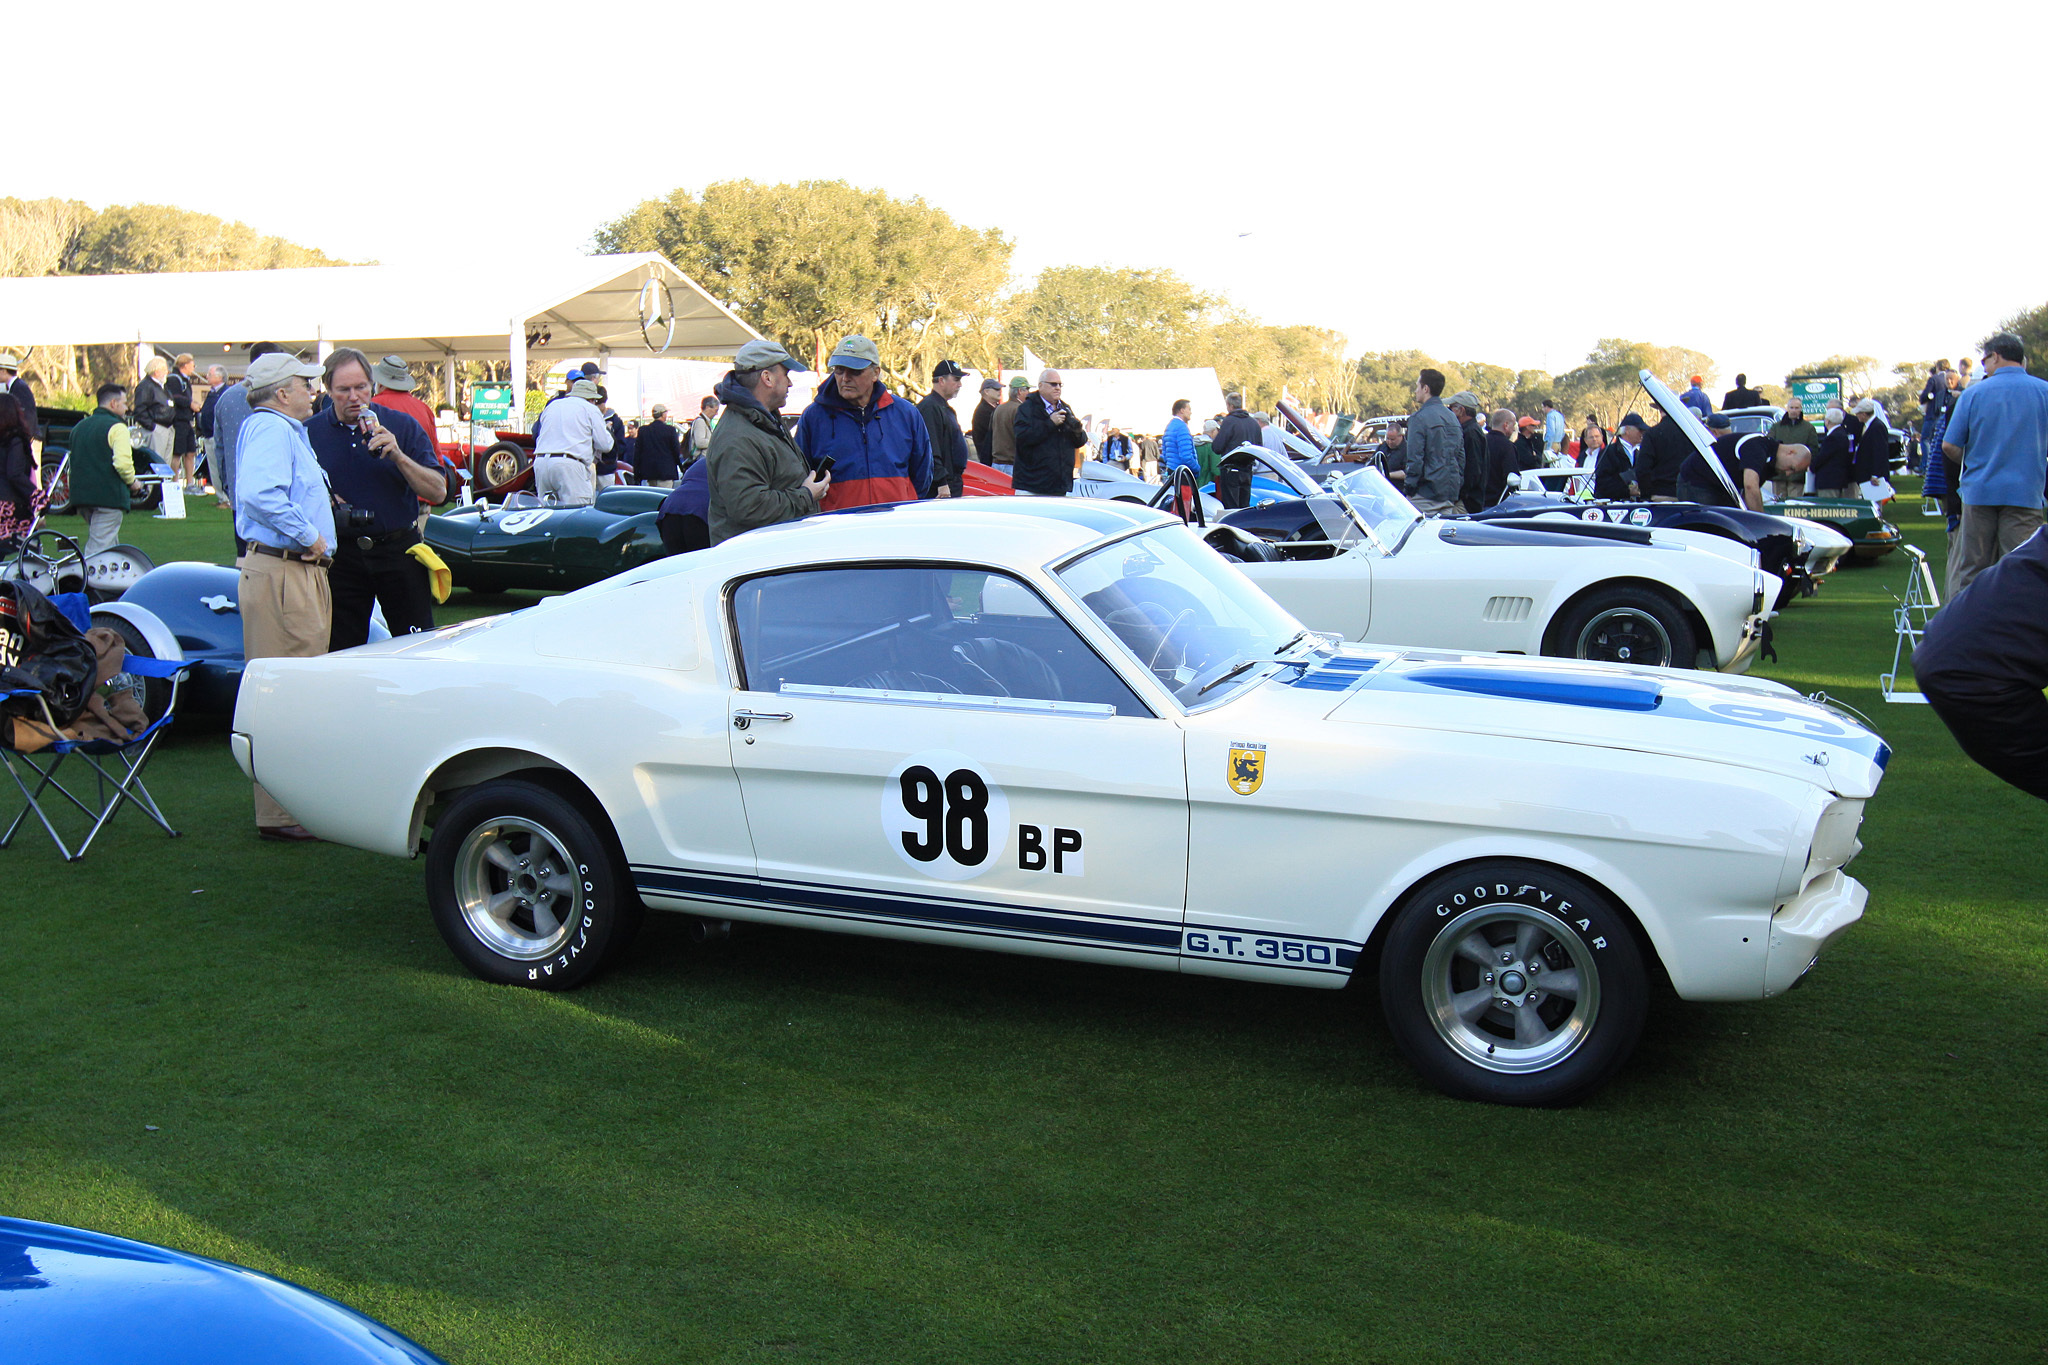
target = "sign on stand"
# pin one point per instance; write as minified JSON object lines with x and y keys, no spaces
{"x":490,"y":403}
{"x":1815,"y":391}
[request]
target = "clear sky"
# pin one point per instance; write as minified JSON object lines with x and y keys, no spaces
{"x":1768,"y":183}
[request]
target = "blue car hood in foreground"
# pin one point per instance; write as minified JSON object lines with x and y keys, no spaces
{"x":71,"y":1297}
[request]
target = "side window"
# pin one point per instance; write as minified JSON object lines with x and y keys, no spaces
{"x":938,"y":633}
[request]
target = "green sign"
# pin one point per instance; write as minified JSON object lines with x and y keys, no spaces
{"x":1815,"y":391}
{"x":490,"y":403}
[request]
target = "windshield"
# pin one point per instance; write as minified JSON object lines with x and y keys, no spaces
{"x":1182,"y":612}
{"x":1378,"y":503}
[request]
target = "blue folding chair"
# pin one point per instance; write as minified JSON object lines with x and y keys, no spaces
{"x":116,"y":765}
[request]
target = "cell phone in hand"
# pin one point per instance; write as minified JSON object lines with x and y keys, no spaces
{"x":824,"y":466}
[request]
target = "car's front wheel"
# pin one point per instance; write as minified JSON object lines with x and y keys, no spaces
{"x":526,"y":889}
{"x":1513,"y":983}
{"x":1625,"y":625}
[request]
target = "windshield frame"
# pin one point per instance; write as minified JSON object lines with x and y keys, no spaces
{"x":1082,"y":616}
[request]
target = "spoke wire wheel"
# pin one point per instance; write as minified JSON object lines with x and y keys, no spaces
{"x":1625,"y":635}
{"x":517,"y":888}
{"x":1510,"y":988}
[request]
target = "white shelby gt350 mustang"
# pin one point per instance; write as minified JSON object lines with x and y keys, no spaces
{"x":1365,"y":565}
{"x":1054,"y":727}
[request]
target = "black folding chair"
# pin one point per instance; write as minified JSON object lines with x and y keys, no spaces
{"x":115,"y":766}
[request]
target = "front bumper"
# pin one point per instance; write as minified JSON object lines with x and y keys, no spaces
{"x":1804,"y":926}
{"x":1756,"y":634}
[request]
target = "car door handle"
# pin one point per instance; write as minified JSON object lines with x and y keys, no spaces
{"x":742,"y":719}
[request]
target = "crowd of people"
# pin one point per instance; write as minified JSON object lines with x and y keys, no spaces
{"x":330,"y":482}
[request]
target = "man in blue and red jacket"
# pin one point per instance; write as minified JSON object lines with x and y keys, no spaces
{"x":879,"y":447}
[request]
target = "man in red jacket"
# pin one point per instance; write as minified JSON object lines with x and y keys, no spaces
{"x":878,"y":444}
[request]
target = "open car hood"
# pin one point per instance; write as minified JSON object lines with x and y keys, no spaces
{"x":1689,"y":423}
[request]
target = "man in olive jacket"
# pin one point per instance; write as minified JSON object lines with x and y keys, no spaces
{"x":758,"y":476}
{"x":103,"y":469}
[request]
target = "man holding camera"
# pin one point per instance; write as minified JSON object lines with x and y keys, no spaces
{"x":380,"y":467}
{"x":1048,"y":433}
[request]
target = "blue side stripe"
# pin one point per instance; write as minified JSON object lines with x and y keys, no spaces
{"x":980,"y":918}
{"x":1139,"y":933}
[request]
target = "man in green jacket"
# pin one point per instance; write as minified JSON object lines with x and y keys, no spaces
{"x":758,"y":477}
{"x":1793,"y":430}
{"x":103,"y":469}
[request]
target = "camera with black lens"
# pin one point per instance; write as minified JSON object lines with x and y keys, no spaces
{"x":357,"y":521}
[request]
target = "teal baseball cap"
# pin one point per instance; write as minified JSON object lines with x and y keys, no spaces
{"x":759,"y":355}
{"x":855,"y":353}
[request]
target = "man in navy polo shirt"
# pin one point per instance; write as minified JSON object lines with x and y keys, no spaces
{"x":382,"y":466}
{"x":1998,"y":432}
{"x":1750,"y":462}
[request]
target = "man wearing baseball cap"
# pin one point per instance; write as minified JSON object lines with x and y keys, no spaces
{"x":942,"y":426}
{"x":284,"y":514}
{"x":981,"y":431}
{"x":658,"y":457}
{"x":878,"y":445}
{"x":1003,"y":427}
{"x":755,"y":473}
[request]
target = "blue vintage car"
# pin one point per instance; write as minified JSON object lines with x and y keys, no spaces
{"x":86,"y":1298}
{"x":186,"y":610}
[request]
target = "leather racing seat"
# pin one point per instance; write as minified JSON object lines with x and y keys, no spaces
{"x":1006,"y":669}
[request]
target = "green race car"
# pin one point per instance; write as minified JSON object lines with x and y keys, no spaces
{"x":1870,"y":535}
{"x":524,"y":543}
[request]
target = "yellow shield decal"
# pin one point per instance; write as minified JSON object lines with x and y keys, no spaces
{"x":1247,"y":767}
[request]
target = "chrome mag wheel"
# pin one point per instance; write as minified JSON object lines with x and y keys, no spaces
{"x":1510,"y":988}
{"x":517,"y":887}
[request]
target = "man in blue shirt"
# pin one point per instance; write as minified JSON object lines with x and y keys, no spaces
{"x":284,"y":515}
{"x":1696,"y":399}
{"x":381,"y":467}
{"x":1998,"y":432}
{"x":1553,"y":428}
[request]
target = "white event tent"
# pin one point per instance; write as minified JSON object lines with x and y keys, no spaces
{"x":441,"y":313}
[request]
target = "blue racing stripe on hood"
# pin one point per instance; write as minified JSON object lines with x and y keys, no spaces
{"x":1614,"y":694}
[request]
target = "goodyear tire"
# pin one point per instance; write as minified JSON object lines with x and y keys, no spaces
{"x":1513,"y":983}
{"x":1625,"y":625}
{"x":527,"y":888}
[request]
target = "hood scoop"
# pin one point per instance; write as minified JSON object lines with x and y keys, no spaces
{"x":1621,"y":693}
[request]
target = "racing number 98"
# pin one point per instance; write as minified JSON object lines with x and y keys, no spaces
{"x":955,"y":815}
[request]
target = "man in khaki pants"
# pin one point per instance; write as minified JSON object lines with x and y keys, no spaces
{"x":285,"y":514}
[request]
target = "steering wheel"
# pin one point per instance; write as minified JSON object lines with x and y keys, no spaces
{"x":1167,"y":638}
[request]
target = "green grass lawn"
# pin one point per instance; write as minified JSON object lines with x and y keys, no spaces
{"x":801,"y":1147}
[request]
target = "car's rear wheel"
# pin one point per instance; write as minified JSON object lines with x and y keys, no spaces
{"x":1625,"y":625}
{"x":527,"y":889}
{"x":1513,"y":983}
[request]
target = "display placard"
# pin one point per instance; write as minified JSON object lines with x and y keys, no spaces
{"x":490,"y":403}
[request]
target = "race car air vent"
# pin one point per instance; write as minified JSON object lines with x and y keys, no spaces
{"x":1507,"y":608}
{"x":1616,"y":694}
{"x":1340,"y":674}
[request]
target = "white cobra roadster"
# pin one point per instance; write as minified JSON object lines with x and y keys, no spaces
{"x":1359,"y":561}
{"x":1053,"y":727}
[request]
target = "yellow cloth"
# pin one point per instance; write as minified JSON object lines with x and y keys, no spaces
{"x":438,"y":576}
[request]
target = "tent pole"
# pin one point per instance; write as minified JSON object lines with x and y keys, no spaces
{"x":518,"y":374}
